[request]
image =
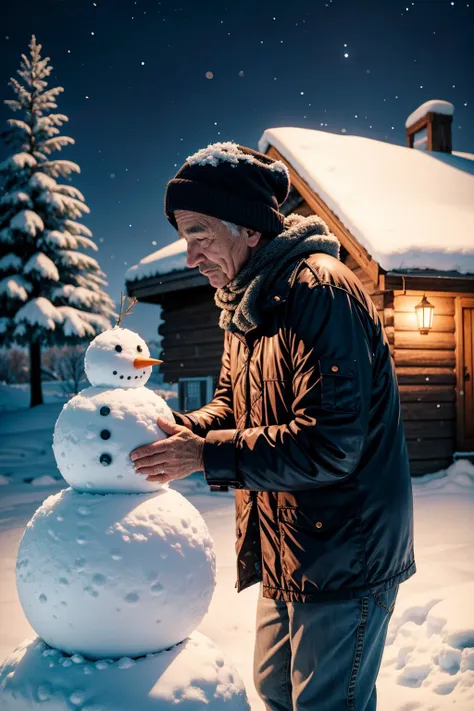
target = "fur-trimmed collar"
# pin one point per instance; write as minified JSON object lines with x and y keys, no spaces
{"x":241,"y":299}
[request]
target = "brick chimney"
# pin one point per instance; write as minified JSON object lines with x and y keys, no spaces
{"x":429,"y":127}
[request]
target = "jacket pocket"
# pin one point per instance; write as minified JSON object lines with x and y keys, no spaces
{"x":321,"y":549}
{"x":386,"y":600}
{"x":338,"y":384}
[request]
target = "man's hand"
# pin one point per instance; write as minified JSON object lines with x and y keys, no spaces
{"x":178,"y":456}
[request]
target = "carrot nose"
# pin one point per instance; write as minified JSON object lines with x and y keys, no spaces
{"x":145,"y":362}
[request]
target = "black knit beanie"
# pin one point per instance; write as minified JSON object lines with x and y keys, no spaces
{"x":233,"y":183}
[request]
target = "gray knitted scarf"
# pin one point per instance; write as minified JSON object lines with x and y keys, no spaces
{"x":241,"y":298}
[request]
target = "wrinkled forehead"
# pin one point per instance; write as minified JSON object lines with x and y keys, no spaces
{"x":194,"y":222}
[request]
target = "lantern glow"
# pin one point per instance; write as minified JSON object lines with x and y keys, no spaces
{"x":424,"y":315}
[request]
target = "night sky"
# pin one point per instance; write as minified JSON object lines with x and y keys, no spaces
{"x":148,"y":83}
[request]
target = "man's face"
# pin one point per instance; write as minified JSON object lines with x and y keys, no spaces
{"x":213,"y":248}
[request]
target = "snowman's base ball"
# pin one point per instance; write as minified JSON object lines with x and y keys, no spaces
{"x":117,"y":574}
{"x":96,"y":431}
{"x":190,"y":676}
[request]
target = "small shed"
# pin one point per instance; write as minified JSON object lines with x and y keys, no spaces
{"x":405,"y":220}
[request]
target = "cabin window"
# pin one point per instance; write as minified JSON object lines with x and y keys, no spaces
{"x":195,"y":392}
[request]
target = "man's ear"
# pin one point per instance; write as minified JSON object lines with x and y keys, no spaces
{"x":253,"y":237}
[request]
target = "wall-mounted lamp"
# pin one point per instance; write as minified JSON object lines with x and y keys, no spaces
{"x":424,"y":315}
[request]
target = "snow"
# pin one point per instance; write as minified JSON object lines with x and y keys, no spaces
{"x":435,"y":106}
{"x":410,"y":209}
{"x":18,"y":161}
{"x":43,"y":266}
{"x":81,"y":323}
{"x":444,"y":511}
{"x":44,"y":481}
{"x":110,"y":358}
{"x":168,"y":259}
{"x":428,"y":660}
{"x":112,"y":420}
{"x":43,"y":181}
{"x":462,"y":154}
{"x":78,"y":260}
{"x":15,"y":287}
{"x":189,"y":676}
{"x":39,"y":312}
{"x":61,"y":168}
{"x":97,"y":430}
{"x":229,"y":152}
{"x":77,"y":228}
{"x":16,"y":197}
{"x":27,"y":221}
{"x":77,"y":295}
{"x":63,"y":204}
{"x":111,"y":576}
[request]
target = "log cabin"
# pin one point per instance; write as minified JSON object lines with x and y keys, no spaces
{"x":404,"y":216}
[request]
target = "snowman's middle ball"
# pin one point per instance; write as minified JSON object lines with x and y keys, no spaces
{"x":97,"y":430}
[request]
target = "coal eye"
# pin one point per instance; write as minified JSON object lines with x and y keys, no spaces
{"x":118,"y":349}
{"x":139,"y":349}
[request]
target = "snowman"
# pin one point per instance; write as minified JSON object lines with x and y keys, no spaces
{"x":116,"y":572}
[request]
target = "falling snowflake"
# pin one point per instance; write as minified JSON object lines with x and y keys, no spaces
{"x":209,"y":75}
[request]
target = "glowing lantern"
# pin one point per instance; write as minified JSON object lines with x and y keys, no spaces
{"x":424,"y":315}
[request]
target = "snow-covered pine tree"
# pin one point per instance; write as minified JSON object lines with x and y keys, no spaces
{"x":51,"y":292}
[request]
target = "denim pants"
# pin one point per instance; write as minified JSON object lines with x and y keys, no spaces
{"x":321,"y":656}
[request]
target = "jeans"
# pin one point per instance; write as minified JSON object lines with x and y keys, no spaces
{"x":321,"y":656}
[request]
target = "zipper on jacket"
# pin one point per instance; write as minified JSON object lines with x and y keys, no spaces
{"x":253,"y":494}
{"x":247,"y":388}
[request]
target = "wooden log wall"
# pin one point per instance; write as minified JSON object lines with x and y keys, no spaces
{"x":427,"y":380}
{"x":192,"y":339}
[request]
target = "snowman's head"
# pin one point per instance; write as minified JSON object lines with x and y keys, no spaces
{"x":118,"y":358}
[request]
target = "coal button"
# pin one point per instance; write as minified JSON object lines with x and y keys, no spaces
{"x":104,"y":411}
{"x":105,"y":459}
{"x":105,"y":434}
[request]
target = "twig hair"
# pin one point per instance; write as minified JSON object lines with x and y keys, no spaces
{"x":128,"y":309}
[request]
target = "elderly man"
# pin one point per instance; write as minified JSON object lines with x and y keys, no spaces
{"x":305,"y":424}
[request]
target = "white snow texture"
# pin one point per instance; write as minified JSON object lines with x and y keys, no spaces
{"x":95,"y":433}
{"x":115,"y":575}
{"x":410,"y":209}
{"x":110,"y":357}
{"x":229,"y":152}
{"x":189,"y":676}
{"x":435,"y":106}
{"x":170,"y":258}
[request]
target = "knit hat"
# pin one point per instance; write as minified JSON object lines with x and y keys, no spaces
{"x":233,"y":183}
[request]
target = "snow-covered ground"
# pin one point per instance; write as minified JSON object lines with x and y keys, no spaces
{"x":429,"y":656}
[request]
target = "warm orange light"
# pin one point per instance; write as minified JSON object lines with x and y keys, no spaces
{"x":424,"y":315}
{"x":145,"y":362}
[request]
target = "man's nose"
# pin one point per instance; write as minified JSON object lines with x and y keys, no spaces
{"x":193,"y":256}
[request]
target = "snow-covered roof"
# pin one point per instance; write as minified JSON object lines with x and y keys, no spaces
{"x":436,"y":106}
{"x":410,"y":209}
{"x":167,"y":259}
